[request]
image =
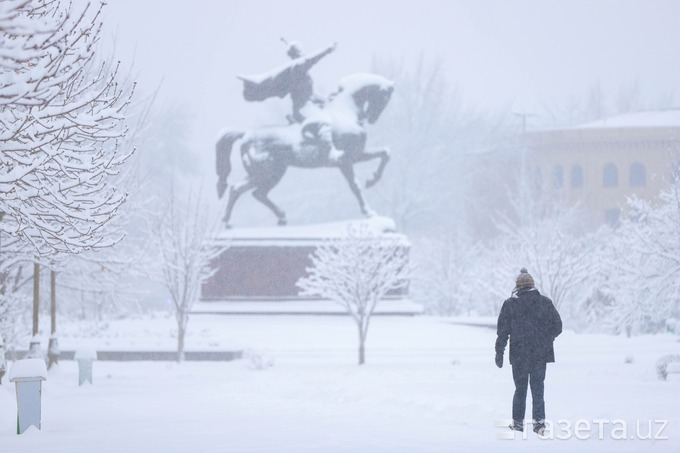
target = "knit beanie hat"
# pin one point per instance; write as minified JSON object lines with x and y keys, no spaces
{"x":524,"y":279}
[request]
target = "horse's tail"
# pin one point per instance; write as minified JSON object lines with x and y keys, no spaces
{"x":223,"y":158}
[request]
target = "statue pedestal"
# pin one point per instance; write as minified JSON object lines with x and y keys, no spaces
{"x":258,"y":272}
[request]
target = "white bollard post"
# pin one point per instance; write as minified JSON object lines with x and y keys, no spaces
{"x":34,"y":351}
{"x":28,"y":375}
{"x":85,"y":358}
{"x":53,"y":352}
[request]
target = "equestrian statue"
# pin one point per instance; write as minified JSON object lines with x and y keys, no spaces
{"x":321,"y":132}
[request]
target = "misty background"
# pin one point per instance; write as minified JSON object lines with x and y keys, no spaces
{"x":523,"y":56}
{"x":470,"y":78}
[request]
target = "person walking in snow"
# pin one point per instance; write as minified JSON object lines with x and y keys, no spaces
{"x":532,"y":323}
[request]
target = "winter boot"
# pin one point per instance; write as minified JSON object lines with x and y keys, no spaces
{"x":539,"y":427}
{"x":516,"y":426}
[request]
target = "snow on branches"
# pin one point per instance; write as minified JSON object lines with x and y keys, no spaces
{"x":62,"y":117}
{"x":356,"y":272}
{"x":183,"y":235}
{"x":645,"y":258}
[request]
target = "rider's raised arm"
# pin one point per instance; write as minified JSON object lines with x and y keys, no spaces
{"x":314,"y":57}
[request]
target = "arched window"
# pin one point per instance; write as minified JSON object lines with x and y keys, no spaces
{"x":558,"y":177}
{"x":576,"y":176}
{"x":638,"y":175}
{"x":610,"y":176}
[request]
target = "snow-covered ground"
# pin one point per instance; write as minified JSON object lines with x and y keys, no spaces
{"x":428,"y":386}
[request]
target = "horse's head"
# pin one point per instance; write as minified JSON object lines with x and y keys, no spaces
{"x":369,"y":95}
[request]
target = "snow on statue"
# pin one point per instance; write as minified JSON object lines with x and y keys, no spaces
{"x":291,"y":79}
{"x":322,"y":133}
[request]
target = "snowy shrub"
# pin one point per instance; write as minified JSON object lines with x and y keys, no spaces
{"x":663,"y":362}
{"x":597,"y":312}
{"x":257,"y":360}
{"x":645,"y":277}
{"x":629,"y":359}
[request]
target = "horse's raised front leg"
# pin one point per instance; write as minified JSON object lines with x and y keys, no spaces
{"x":348,"y":173}
{"x":234,"y":193}
{"x":377,"y":153}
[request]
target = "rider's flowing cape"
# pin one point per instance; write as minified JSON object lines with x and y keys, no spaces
{"x":279,"y":81}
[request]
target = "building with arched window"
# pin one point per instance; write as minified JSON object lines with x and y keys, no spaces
{"x":610,"y":175}
{"x":576,"y":176}
{"x":609,"y":160}
{"x":558,"y":177}
{"x":638,"y":175}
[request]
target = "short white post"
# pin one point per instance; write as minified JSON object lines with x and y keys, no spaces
{"x":34,"y":351}
{"x":53,"y":352}
{"x":28,"y":375}
{"x":85,"y":358}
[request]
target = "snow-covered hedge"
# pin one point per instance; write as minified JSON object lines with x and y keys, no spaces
{"x":662,"y":364}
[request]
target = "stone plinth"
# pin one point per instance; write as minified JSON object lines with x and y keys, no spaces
{"x":259,"y":270}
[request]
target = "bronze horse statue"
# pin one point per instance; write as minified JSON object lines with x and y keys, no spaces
{"x":334,"y":136}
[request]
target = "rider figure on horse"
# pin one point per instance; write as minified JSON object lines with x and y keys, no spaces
{"x":302,"y":86}
{"x":294,"y":79}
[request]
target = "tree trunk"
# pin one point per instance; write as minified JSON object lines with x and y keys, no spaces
{"x":36,"y":297}
{"x":181,"y":329}
{"x":362,"y":340}
{"x":361,"y":352}
{"x":53,"y":303}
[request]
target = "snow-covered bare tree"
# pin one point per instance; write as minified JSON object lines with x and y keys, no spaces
{"x":577,"y":108}
{"x":629,"y":99}
{"x":15,"y":283}
{"x":105,"y":279}
{"x":183,"y":236}
{"x":432,"y":135}
{"x":597,"y":104}
{"x":454,"y":276}
{"x":16,"y":276}
{"x":645,"y":262}
{"x":357,"y":271}
{"x":102,"y":283}
{"x":62,"y":119}
{"x":545,"y":233}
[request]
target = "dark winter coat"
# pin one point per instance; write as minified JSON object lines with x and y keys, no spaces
{"x":531,"y":322}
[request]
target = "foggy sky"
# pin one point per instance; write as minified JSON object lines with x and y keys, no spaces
{"x":516,"y":54}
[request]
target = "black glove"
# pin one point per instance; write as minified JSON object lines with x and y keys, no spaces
{"x":499,"y":360}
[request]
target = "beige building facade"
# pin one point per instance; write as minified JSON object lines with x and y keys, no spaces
{"x":601,"y":164}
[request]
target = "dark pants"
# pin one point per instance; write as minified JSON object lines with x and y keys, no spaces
{"x":533,"y":374}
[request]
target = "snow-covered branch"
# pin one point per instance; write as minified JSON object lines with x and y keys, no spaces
{"x":183,"y":236}
{"x":357,"y":272}
{"x":63,"y":123}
